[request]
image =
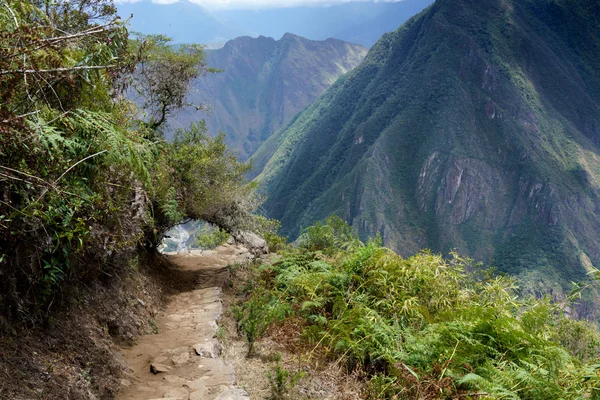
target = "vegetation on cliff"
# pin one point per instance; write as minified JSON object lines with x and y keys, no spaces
{"x":422,"y":327}
{"x":86,"y":179}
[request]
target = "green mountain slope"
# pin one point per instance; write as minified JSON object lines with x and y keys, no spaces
{"x":265,"y":83}
{"x":475,"y":126}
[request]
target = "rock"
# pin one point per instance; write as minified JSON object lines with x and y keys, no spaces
{"x":180,"y":359}
{"x":210,"y":349}
{"x":252,"y":241}
{"x":177,"y":393}
{"x":199,"y":385}
{"x":230,"y":240}
{"x":125,"y":383}
{"x":233,"y":394}
{"x":171,"y":398}
{"x":175,"y":380}
{"x":160,"y":359}
{"x":157,"y":368}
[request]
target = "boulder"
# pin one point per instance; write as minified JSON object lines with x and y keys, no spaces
{"x":252,"y":241}
{"x":180,"y":359}
{"x":210,"y":349}
{"x":157,"y":368}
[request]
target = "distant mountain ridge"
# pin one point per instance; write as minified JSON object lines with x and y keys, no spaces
{"x":475,"y":126}
{"x":264,"y":84}
{"x":184,"y":22}
{"x":358,"y":22}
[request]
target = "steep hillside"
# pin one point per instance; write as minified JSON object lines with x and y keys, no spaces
{"x":475,"y":126}
{"x":264,"y":83}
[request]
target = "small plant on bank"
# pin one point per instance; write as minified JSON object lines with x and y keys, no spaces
{"x":209,"y":239}
{"x":283,"y":381}
{"x":256,"y":315}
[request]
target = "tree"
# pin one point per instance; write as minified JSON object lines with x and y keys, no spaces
{"x":163,"y":76}
{"x":84,"y":181}
{"x":199,"y":178}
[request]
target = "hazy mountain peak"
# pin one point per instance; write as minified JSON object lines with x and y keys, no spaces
{"x":265,"y":83}
{"x":186,"y":22}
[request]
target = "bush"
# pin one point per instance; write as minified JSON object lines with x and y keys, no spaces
{"x":423,"y":326}
{"x":256,"y":315}
{"x":213,"y":238}
{"x":87,"y":183}
{"x":329,"y":236}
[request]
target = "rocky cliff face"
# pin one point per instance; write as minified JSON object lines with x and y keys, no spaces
{"x":475,"y":126}
{"x":264,"y":83}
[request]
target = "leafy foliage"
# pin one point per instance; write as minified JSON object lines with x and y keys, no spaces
{"x":164,"y":74}
{"x":212,"y":239}
{"x":85,"y":183}
{"x":256,"y":315}
{"x":429,"y":327}
{"x":205,"y":180}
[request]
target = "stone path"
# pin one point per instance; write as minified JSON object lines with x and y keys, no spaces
{"x":182,"y":361}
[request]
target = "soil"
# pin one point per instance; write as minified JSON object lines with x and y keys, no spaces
{"x":181,"y":360}
{"x":75,"y":357}
{"x":163,"y":331}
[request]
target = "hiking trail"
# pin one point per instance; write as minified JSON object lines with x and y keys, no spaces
{"x":182,"y":360}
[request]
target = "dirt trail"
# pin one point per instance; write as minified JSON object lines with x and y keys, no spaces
{"x":182,"y":361}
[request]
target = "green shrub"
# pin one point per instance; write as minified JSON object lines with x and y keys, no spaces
{"x":87,"y":183}
{"x":329,"y":236}
{"x":267,"y":228}
{"x":212,"y":239}
{"x":256,"y":315}
{"x":423,"y":326}
{"x":282,"y":382}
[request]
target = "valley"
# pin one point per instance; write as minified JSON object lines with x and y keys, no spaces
{"x":264,"y":83}
{"x":300,"y":200}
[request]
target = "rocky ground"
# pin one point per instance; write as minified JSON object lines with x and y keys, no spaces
{"x":181,"y":360}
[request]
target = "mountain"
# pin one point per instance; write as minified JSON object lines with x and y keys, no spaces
{"x":184,"y":22}
{"x":360,"y":22}
{"x":264,"y":83}
{"x":475,"y":126}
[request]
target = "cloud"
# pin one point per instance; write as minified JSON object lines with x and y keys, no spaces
{"x":256,"y":4}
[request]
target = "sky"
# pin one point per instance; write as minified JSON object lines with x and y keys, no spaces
{"x":253,"y":4}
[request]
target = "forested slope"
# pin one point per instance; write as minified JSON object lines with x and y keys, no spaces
{"x":474,"y":126}
{"x":265,"y":82}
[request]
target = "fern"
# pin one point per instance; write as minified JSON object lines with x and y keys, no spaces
{"x":377,"y":311}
